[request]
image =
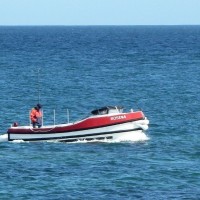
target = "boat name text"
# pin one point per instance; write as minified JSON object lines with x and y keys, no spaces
{"x":118,"y":117}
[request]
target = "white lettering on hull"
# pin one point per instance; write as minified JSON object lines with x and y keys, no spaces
{"x":118,"y":117}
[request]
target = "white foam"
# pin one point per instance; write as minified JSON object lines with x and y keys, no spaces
{"x":136,"y":137}
{"x":4,"y":137}
{"x":18,"y":141}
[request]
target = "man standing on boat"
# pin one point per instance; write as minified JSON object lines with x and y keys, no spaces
{"x":36,"y":116}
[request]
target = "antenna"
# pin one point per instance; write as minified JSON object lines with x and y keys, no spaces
{"x":38,"y":80}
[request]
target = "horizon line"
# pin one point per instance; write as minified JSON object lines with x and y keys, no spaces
{"x":101,"y":25}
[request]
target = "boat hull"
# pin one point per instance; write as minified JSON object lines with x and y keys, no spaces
{"x":92,"y":128}
{"x":110,"y":132}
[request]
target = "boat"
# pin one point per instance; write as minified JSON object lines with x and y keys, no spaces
{"x":109,"y":122}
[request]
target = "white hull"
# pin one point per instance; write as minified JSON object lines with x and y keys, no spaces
{"x":114,"y":132}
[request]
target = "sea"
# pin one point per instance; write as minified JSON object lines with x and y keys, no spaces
{"x":75,"y":69}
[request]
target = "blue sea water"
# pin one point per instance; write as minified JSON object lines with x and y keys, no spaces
{"x":153,"y":68}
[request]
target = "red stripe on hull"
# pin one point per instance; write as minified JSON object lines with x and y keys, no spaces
{"x":88,"y":123}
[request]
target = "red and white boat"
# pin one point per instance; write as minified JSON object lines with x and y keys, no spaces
{"x":105,"y":123}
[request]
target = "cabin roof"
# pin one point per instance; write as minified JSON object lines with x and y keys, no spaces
{"x":105,"y":108}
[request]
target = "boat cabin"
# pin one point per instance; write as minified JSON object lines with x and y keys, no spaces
{"x":108,"y":110}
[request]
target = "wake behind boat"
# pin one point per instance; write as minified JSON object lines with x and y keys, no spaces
{"x":108,"y":122}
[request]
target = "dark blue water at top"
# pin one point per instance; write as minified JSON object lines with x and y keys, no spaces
{"x":155,"y":68}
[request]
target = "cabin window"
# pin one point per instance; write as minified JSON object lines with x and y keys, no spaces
{"x":103,"y":112}
{"x":112,"y":111}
